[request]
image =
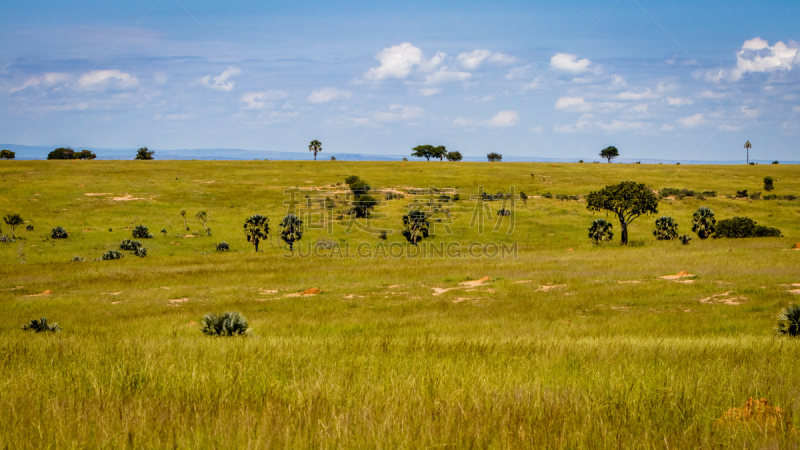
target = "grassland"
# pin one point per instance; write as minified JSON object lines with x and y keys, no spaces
{"x":376,"y":360}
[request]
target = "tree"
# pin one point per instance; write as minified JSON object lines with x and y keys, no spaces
{"x":416,"y":226}
{"x":439,"y":152}
{"x":454,"y":156}
{"x":704,"y":223}
{"x":524,"y":197}
{"x":628,"y":200}
{"x":494,"y":157}
{"x":768,"y":184}
{"x":666,"y":229}
{"x":144,"y":154}
{"x":61,"y":153}
{"x":183,"y":214}
{"x":7,"y":154}
{"x":291,"y":230}
{"x":202,"y":217}
{"x":256,"y":227}
{"x":748,"y":146}
{"x":363,"y":204}
{"x":600,"y":231}
{"x":84,"y":154}
{"x":743,"y":227}
{"x":13,"y":221}
{"x":316,"y":147}
{"x":609,"y":153}
{"x":423,"y":151}
{"x":333,"y":158}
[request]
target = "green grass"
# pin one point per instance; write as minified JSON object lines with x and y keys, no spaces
{"x":376,"y":360}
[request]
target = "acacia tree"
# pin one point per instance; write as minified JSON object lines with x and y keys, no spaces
{"x":416,"y":226}
{"x":609,"y":153}
{"x":291,"y":230}
{"x":202,"y":217}
{"x":704,"y":223}
{"x":13,"y":221}
{"x":256,"y":227}
{"x":7,"y":154}
{"x":494,"y":157}
{"x":454,"y":156}
{"x":144,"y":154}
{"x":439,"y":152}
{"x":628,"y":200}
{"x":316,"y":147}
{"x":422,"y":151}
{"x":666,"y":229}
{"x":600,"y":231}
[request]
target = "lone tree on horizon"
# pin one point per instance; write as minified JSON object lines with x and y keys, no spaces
{"x":628,"y":200}
{"x":748,"y":146}
{"x":454,"y":156}
{"x":494,"y":157}
{"x":609,"y":153}
{"x":144,"y":154}
{"x":7,"y":154}
{"x":316,"y":147}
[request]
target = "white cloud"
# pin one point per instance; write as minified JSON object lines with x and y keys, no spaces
{"x":517,"y":73}
{"x":677,"y":101}
{"x":503,"y":119}
{"x":711,"y":94}
{"x":433,"y":63}
{"x":619,"y":125}
{"x":100,"y":80}
{"x":729,"y":128}
{"x":579,"y":126}
{"x":221,"y":82}
{"x":328,"y":94}
{"x":502,"y":59}
{"x":641,"y":108}
{"x":161,"y":78}
{"x":399,"y":113}
{"x":47,"y":80}
{"x":462,"y":122}
{"x":396,"y":62}
{"x":757,"y":56}
{"x":427,"y":92}
{"x":749,"y":112}
{"x":667,"y":127}
{"x":474,"y":59}
{"x":618,"y":81}
{"x":446,"y":76}
{"x":173,"y":117}
{"x":796,"y":109}
{"x":569,"y":63}
{"x":537,"y":129}
{"x":692,"y":121}
{"x":572,"y":104}
{"x":259,"y":100}
{"x":586,"y":125}
{"x":476,"y":99}
{"x":630,"y":95}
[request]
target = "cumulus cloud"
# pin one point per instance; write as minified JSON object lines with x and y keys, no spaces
{"x":328,"y":94}
{"x":462,"y":122}
{"x":569,"y":63}
{"x":507,"y":118}
{"x":692,"y":121}
{"x":99,"y":80}
{"x":396,"y":62}
{"x":517,"y":73}
{"x":399,"y":113}
{"x":586,"y":125}
{"x":446,"y":76}
{"x":711,"y":94}
{"x":502,"y":59}
{"x":221,"y":82}
{"x":47,"y":80}
{"x":433,"y":63}
{"x":259,"y":100}
{"x":667,"y":127}
{"x":474,"y":59}
{"x":757,"y":56}
{"x":636,"y":96}
{"x":677,"y":101}
{"x":427,"y":92}
{"x":572,"y":104}
{"x":641,"y":108}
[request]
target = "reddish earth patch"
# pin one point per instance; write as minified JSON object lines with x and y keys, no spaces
{"x":311,"y":291}
{"x":759,"y":414}
{"x":47,"y":292}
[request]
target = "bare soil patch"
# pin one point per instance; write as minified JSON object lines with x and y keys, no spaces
{"x":47,"y":292}
{"x":678,"y":276}
{"x":723,"y":298}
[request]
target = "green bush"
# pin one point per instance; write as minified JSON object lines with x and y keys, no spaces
{"x":141,"y":232}
{"x":29,"y":227}
{"x":743,"y":227}
{"x":141,"y":252}
{"x":223,"y":247}
{"x":684,"y":239}
{"x":129,"y":245}
{"x":227,"y":324}
{"x":600,"y":231}
{"x":77,"y":259}
{"x":703,"y":222}
{"x":41,"y":325}
{"x":789,"y":322}
{"x":58,"y":233}
{"x":111,"y":255}
{"x":666,"y":229}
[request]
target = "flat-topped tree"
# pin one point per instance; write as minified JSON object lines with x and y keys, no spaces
{"x":439,"y":152}
{"x":316,"y":147}
{"x":291,"y":230}
{"x":256,"y":227}
{"x":609,"y":153}
{"x":423,"y":151}
{"x":628,"y":200}
{"x":7,"y":154}
{"x":13,"y":221}
{"x":454,"y":156}
{"x":494,"y":157}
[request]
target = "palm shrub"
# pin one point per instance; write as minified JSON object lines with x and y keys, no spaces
{"x":416,"y":226}
{"x":256,"y":227}
{"x":600,"y":231}
{"x":141,"y":232}
{"x":703,"y":222}
{"x":684,"y":238}
{"x":41,"y":325}
{"x":230,"y":323}
{"x":666,"y":229}
{"x":29,"y":227}
{"x":291,"y":230}
{"x":129,"y":245}
{"x":58,"y":233}
{"x":111,"y":255}
{"x":141,"y":252}
{"x":789,"y":322}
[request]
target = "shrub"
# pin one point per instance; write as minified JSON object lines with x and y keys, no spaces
{"x":666,"y":229}
{"x":743,"y":227}
{"x":129,"y":245}
{"x":769,"y":184}
{"x":547,"y":195}
{"x":223,"y":247}
{"x":77,"y":259}
{"x":227,"y":324}
{"x":755,"y":196}
{"x":775,"y":162}
{"x":600,"y":231}
{"x":111,"y":255}
{"x":710,"y":193}
{"x":741,"y":194}
{"x":41,"y":325}
{"x":351,"y":179}
{"x":141,"y":252}
{"x":504,"y":212}
{"x":382,"y":236}
{"x":703,"y":222}
{"x":789,"y":322}
{"x":677,"y":193}
{"x":29,"y":227}
{"x":164,"y":231}
{"x":141,"y":232}
{"x":684,"y":239}
{"x":58,"y":233}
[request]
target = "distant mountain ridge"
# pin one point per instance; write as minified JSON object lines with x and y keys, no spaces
{"x":27,"y":152}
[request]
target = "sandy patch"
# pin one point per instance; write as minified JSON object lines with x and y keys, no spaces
{"x":545,"y":287}
{"x":394,"y":286}
{"x":96,"y":194}
{"x":111,"y":293}
{"x":116,"y":303}
{"x":523,"y":281}
{"x":47,"y":292}
{"x":475,"y":283}
{"x":463,"y":285}
{"x":86,"y":229}
{"x":677,"y":276}
{"x":463,"y":299}
{"x":175,"y":301}
{"x":684,"y":281}
{"x":175,"y":243}
{"x":13,"y":289}
{"x":126,"y":198}
{"x":629,"y":282}
{"x":794,"y":291}
{"x":268,"y":291}
{"x":723,"y":298}
{"x":189,"y":235}
{"x":307,"y":293}
{"x":570,"y":249}
{"x":34,"y":199}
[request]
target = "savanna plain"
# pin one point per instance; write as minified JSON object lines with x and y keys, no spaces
{"x":560,"y":344}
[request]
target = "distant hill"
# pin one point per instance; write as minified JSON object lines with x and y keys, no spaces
{"x":26,"y":152}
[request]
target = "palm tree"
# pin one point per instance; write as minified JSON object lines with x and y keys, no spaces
{"x":291,"y":230}
{"x":256,"y":227}
{"x":704,"y":223}
{"x":600,"y":231}
{"x":316,"y":147}
{"x":748,"y":146}
{"x":666,"y":229}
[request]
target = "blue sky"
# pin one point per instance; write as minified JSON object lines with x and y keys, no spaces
{"x":674,"y":80}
